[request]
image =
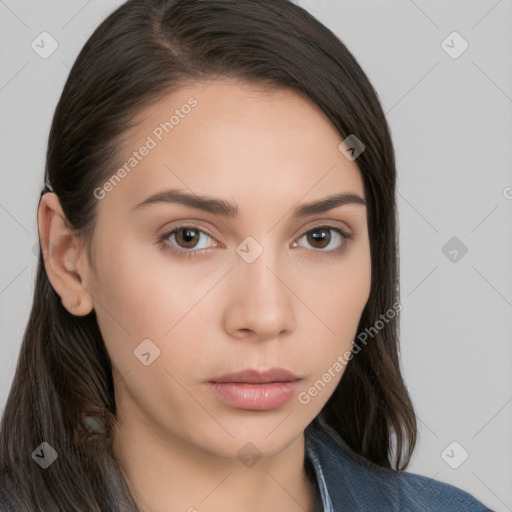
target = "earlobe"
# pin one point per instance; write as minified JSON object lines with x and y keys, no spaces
{"x":62,"y":249}
{"x":78,"y":307}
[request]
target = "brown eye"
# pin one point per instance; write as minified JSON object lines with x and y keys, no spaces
{"x":322,"y":240}
{"x":319,"y":238}
{"x":186,"y":237}
{"x":184,"y":241}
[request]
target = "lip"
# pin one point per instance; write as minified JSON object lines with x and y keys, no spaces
{"x":252,"y":376}
{"x":255,"y":390}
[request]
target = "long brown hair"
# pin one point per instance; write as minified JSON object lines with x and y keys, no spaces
{"x":142,"y":51}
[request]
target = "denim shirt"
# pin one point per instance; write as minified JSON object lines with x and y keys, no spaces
{"x":344,"y":481}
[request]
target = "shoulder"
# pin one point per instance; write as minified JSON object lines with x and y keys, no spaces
{"x":355,"y":484}
{"x":417,"y":492}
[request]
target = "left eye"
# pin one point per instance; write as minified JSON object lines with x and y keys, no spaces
{"x":186,"y":237}
{"x":318,"y":236}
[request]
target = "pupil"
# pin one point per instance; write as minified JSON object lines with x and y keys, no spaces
{"x":188,"y":234}
{"x":318,"y":237}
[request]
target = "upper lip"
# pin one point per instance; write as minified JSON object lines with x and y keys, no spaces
{"x":252,"y":376}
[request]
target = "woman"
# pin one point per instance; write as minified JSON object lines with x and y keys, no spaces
{"x":215,"y":320}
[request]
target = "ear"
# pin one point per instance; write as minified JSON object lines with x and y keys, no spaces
{"x":65,"y":257}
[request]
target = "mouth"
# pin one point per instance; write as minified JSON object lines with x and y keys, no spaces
{"x":255,"y":390}
{"x":251,"y":376}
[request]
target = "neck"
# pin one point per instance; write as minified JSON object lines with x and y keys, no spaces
{"x":173,"y":475}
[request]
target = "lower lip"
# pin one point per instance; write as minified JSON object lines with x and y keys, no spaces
{"x":254,"y":397}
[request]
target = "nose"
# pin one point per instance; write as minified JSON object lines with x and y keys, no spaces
{"x":259,"y":298}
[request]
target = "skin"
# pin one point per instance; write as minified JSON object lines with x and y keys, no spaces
{"x":294,"y":306}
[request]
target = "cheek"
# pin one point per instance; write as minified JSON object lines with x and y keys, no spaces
{"x":337,"y":306}
{"x":141,"y":295}
{"x":340,"y":300}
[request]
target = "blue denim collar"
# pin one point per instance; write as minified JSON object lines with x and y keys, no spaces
{"x":327,"y":505}
{"x":346,"y":480}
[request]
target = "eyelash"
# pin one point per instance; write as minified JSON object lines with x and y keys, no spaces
{"x":164,"y":243}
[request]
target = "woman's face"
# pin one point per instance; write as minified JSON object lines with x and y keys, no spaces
{"x":249,"y":285}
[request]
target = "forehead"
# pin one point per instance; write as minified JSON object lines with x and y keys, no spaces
{"x":233,"y":140}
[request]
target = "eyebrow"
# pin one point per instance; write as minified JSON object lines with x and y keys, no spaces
{"x":226,"y":209}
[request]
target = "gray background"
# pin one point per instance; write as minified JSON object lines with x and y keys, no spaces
{"x":451,"y":123}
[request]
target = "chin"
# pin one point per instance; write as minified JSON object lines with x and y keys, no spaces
{"x":245,"y":434}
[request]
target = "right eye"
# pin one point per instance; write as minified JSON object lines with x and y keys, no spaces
{"x":185,"y":237}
